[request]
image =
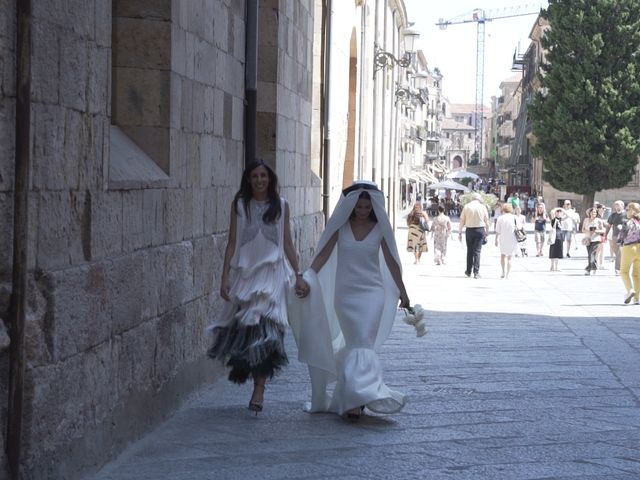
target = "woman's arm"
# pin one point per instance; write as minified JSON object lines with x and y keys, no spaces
{"x":290,"y":251}
{"x":228,"y":255}
{"x":324,"y":255}
{"x":394,"y":268}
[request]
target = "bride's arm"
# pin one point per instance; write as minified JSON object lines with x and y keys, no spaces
{"x":324,"y":255}
{"x":394,"y":269}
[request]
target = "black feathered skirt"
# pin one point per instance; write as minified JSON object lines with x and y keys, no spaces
{"x":255,"y":351}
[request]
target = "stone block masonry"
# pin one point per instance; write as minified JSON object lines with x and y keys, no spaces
{"x":137,"y":150}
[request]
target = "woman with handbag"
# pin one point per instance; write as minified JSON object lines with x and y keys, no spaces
{"x":593,"y":229}
{"x":521,"y":232}
{"x":418,"y":223}
{"x":505,"y":237}
{"x":629,"y":238}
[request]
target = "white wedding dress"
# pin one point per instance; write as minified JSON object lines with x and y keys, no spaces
{"x":347,"y":316}
{"x":359,"y":303}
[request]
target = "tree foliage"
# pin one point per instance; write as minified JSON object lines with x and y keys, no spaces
{"x":586,"y":118}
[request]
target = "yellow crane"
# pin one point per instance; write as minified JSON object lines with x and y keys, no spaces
{"x":480,"y":17}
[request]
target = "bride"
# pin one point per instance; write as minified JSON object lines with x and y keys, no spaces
{"x":349,"y":312}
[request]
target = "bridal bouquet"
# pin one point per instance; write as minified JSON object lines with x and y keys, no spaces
{"x":415,"y":316}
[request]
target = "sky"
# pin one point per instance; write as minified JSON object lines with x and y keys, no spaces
{"x":453,"y":50}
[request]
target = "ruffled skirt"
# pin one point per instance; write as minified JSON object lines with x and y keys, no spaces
{"x":255,"y":351}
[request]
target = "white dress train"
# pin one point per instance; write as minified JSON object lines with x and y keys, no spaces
{"x":348,"y":314}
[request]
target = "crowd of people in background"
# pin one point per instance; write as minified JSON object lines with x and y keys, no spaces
{"x":555,"y":233}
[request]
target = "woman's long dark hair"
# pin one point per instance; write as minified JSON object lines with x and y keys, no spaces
{"x":246,"y":194}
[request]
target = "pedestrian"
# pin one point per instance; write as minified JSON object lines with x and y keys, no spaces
{"x":506,"y":238}
{"x":570,"y":224}
{"x":418,"y":223}
{"x":600,"y":211}
{"x":356,"y":281}
{"x":474,"y":218}
{"x":497,"y":211}
{"x":555,"y":237}
{"x":515,"y":200}
{"x":441,"y":230}
{"x":614,"y":225}
{"x":521,"y":223}
{"x":249,"y":331}
{"x":540,"y":220}
{"x":531,"y":206}
{"x":630,"y":253}
{"x":593,"y":229}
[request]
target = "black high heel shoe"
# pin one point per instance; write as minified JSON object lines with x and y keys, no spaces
{"x":355,"y":413}
{"x":253,"y":405}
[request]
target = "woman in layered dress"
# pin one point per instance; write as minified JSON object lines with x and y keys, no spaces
{"x":440,"y":229}
{"x":249,"y":331}
{"x":506,"y":238}
{"x":418,"y":222}
{"x":356,"y":281}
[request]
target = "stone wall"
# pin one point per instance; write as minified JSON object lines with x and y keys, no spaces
{"x":7,"y":142}
{"x":129,"y":207}
{"x":285,"y":83}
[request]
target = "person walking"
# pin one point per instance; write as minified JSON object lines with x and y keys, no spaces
{"x":555,"y":237}
{"x":474,"y":219}
{"x":630,"y":253}
{"x":418,"y":223}
{"x":593,"y":229}
{"x":600,"y":211}
{"x":506,"y":238}
{"x":248,"y":334}
{"x":614,"y":225}
{"x":521,"y":224}
{"x":356,"y":282}
{"x":570,"y":224}
{"x":441,"y":230}
{"x":540,"y":220}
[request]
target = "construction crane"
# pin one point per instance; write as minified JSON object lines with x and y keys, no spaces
{"x":480,"y":17}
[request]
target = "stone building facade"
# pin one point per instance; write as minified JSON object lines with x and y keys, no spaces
{"x":361,"y":134}
{"x":136,"y":150}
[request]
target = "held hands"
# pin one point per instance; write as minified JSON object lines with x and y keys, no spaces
{"x":302,"y":287}
{"x":224,"y":288}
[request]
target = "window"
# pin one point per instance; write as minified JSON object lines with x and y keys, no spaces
{"x":140,"y":92}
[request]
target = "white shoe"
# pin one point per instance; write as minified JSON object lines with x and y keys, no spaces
{"x":628,"y":296}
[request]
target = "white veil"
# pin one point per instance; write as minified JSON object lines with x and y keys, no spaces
{"x":314,"y":321}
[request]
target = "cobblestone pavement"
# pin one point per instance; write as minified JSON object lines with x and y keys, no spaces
{"x":533,"y":377}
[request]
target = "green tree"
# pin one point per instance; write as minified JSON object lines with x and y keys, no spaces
{"x":586,"y":116}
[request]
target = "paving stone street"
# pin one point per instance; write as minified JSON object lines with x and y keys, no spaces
{"x":534,"y":377}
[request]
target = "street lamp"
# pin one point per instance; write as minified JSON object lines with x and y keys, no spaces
{"x":419,"y":92}
{"x":383,"y":59}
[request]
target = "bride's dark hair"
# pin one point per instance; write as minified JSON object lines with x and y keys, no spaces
{"x":246,"y":193}
{"x":372,"y":214}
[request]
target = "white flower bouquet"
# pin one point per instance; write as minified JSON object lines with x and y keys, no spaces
{"x":415,"y":316}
